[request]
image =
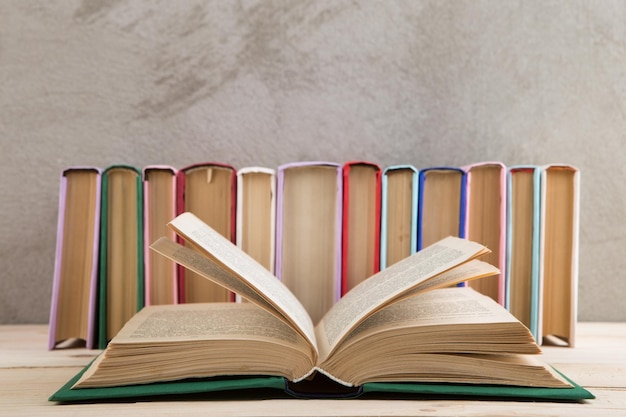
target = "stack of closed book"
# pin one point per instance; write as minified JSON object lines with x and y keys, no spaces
{"x":321,"y":228}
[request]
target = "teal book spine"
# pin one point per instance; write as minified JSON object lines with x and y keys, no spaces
{"x":387,"y":224}
{"x":532,"y":200}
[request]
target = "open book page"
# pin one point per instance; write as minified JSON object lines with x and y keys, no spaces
{"x":445,"y":306}
{"x":197,"y":321}
{"x":389,"y":285}
{"x":468,"y":271}
{"x":202,"y":265}
{"x":514,"y":370}
{"x":224,"y":335}
{"x":444,"y":321}
{"x":237,"y":267}
{"x":461,"y":315}
{"x":203,"y":321}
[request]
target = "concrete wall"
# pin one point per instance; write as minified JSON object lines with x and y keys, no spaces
{"x":269,"y":82}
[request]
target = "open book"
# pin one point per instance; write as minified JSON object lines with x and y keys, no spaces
{"x":406,"y":323}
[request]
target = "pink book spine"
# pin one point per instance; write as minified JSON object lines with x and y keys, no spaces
{"x":54,"y":304}
{"x":502,"y":242}
{"x":56,"y":281}
{"x":148,"y":239}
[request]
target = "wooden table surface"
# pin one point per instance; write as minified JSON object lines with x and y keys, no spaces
{"x":29,"y":373}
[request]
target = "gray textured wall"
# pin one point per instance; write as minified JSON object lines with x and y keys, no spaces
{"x":269,"y":82}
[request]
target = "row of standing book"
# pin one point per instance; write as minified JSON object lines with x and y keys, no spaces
{"x":320,"y":227}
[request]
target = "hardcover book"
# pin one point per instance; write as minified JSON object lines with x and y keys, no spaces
{"x":121,"y":276}
{"x":485,"y":220}
{"x":361,"y":223}
{"x":558,"y":271}
{"x":256,"y":214}
{"x":522,"y":253}
{"x":308,"y":233}
{"x":443,"y":338}
{"x":398,"y":228}
{"x":75,"y":279}
{"x":209,"y":191}
{"x":161,"y":276}
{"x":441,"y":210}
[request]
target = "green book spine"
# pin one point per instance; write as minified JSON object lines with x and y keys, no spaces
{"x":104,"y":237}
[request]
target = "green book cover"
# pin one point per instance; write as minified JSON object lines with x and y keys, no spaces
{"x":266,"y":387}
{"x":137,"y":222}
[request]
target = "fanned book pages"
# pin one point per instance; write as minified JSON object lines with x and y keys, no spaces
{"x":452,"y":336}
